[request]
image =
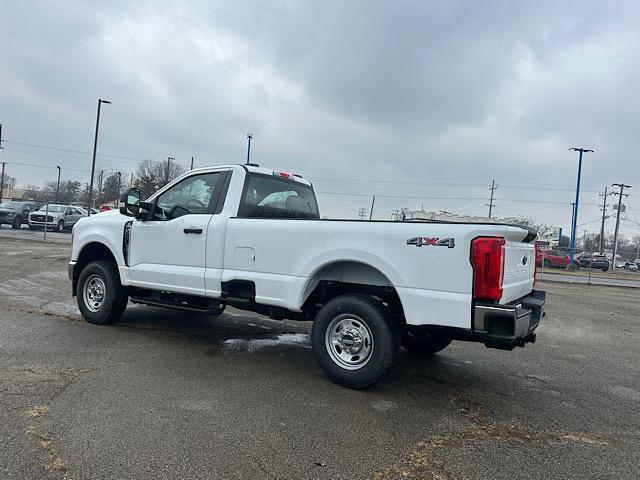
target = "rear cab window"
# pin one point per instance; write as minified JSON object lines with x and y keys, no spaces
{"x":267,"y":196}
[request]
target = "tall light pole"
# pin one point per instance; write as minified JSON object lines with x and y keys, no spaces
{"x":575,"y":207}
{"x":58,"y":187}
{"x":249,"y":137}
{"x":119,"y":181}
{"x":168,"y":166}
{"x":95,"y":146}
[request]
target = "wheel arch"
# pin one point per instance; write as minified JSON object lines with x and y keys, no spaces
{"x":91,"y":252}
{"x":339,"y":277}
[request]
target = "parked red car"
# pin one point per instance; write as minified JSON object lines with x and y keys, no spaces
{"x":552,"y":258}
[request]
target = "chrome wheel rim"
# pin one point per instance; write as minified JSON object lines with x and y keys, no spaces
{"x":94,"y":292}
{"x":349,"y":342}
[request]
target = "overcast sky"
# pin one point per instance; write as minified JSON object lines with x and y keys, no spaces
{"x":427,"y":100}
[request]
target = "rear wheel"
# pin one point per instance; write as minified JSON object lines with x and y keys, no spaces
{"x":354,"y":340}
{"x":425,"y":345}
{"x":101,"y":297}
{"x":17,"y":223}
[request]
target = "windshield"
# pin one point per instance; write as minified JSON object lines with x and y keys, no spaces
{"x":11,"y":205}
{"x":271,"y":197}
{"x":53,"y":208}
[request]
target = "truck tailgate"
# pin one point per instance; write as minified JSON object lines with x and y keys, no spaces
{"x":519,"y":267}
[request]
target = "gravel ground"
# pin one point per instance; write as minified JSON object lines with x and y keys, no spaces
{"x":162,"y":395}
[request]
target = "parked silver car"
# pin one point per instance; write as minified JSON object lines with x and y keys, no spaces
{"x":58,"y":217}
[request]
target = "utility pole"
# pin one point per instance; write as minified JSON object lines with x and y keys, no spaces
{"x":95,"y":146}
{"x":249,"y":137}
{"x":373,"y":202}
{"x":2,"y":182}
{"x":622,"y":186}
{"x":362,"y":212}
{"x":493,"y":188}
{"x":119,"y":182}
{"x":191,"y":163}
{"x":575,"y":208}
{"x":99,"y":187}
{"x":1,"y":178}
{"x":131,"y":183}
{"x":573,"y":212}
{"x":604,"y":217}
{"x":168,"y":166}
{"x":58,"y":187}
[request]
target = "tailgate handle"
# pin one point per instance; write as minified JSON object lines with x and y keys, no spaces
{"x":192,"y":230}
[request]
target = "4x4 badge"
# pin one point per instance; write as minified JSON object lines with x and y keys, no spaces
{"x":432,"y":241}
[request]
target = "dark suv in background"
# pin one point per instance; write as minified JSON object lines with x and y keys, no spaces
{"x":16,"y":213}
{"x":599,"y":262}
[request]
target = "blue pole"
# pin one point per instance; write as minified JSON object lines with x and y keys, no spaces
{"x":575,"y":209}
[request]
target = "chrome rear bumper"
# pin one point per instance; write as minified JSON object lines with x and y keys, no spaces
{"x":511,"y":325}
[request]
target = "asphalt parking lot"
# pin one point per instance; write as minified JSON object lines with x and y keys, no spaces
{"x":162,"y":395}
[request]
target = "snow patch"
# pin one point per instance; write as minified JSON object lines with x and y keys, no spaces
{"x":253,"y":345}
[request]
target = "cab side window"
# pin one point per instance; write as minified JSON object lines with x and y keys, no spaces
{"x":197,"y":194}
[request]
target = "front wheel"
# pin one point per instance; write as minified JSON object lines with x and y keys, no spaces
{"x":101,"y":297}
{"x":354,"y":340}
{"x":425,"y":345}
{"x":60,"y":226}
{"x":546,"y":264}
{"x":17,"y":223}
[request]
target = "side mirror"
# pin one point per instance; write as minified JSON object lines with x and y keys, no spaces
{"x":130,"y":203}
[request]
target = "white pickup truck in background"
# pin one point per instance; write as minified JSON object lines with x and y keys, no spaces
{"x":252,"y":238}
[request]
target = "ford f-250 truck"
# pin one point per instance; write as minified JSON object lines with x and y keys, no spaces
{"x":252,"y":238}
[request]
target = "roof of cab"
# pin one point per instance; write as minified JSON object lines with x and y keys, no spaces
{"x":252,"y":168}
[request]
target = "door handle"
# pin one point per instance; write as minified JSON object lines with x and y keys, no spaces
{"x":192,"y":230}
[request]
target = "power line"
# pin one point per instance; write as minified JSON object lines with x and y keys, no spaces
{"x":424,"y":197}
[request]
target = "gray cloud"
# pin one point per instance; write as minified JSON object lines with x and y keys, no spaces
{"x":405,"y":95}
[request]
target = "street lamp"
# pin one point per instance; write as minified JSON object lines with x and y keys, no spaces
{"x":575,"y":207}
{"x":100,"y":178}
{"x":168,"y":166}
{"x":58,"y":187}
{"x":119,"y":181}
{"x":249,"y":137}
{"x":95,"y":145}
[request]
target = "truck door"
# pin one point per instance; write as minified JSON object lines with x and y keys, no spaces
{"x":167,"y":251}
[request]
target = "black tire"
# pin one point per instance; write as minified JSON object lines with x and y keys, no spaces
{"x":368,"y":316}
{"x":17,"y":223}
{"x":546,"y":264}
{"x":425,"y":345}
{"x":32,"y":227}
{"x":60,"y":226}
{"x":114,"y":297}
{"x":219,"y":310}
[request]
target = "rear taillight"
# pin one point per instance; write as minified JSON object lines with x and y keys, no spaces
{"x":487,"y":260}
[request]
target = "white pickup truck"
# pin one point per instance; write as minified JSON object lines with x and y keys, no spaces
{"x":252,"y":238}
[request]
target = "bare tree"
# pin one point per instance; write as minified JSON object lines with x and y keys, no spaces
{"x":152,"y":175}
{"x":541,"y":228}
